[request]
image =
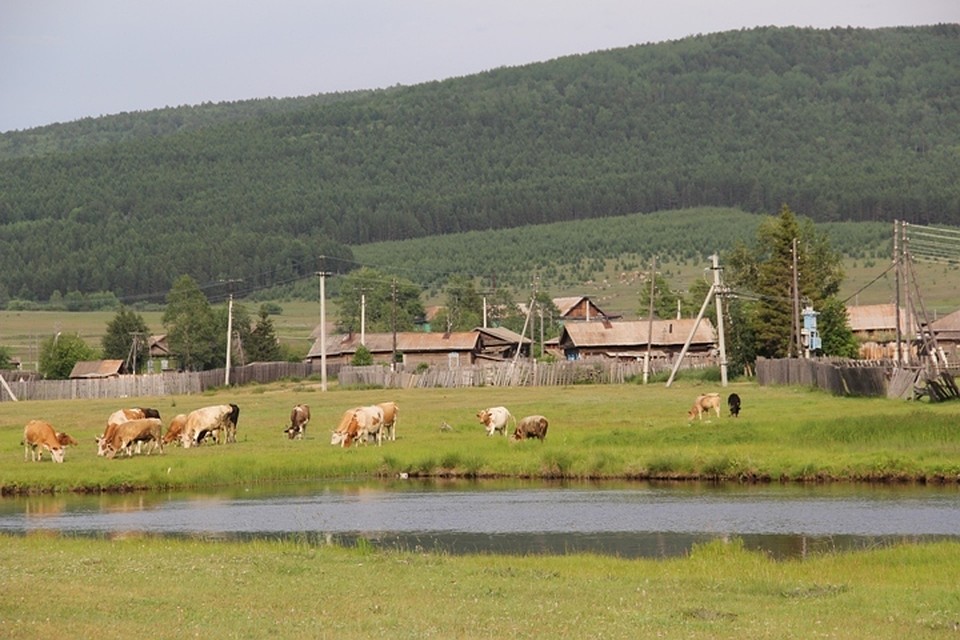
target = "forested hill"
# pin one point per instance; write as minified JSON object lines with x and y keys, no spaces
{"x":841,"y":124}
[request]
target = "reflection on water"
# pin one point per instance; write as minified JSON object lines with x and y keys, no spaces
{"x":624,"y":519}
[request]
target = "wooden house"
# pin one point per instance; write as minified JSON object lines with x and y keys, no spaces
{"x":414,"y":348}
{"x":89,"y":369}
{"x":629,"y":340}
{"x":947,"y":332}
{"x":875,"y":328}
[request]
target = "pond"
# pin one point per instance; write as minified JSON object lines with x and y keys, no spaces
{"x":623,"y":519}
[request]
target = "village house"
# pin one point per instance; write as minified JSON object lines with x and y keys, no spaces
{"x":875,"y":328}
{"x":90,"y":369}
{"x":947,"y":332}
{"x":629,"y":340}
{"x":415,"y":348}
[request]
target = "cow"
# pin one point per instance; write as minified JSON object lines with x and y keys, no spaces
{"x":134,"y":432}
{"x":705,"y":402}
{"x":299,"y":417}
{"x":390,"y":412}
{"x":221,"y":418}
{"x":346,"y":432}
{"x":531,"y":427}
{"x":175,"y":430}
{"x":495,"y":420}
{"x":733,"y":401}
{"x":359,"y":424}
{"x":66,"y":440}
{"x":37,"y":436}
{"x":119,"y":417}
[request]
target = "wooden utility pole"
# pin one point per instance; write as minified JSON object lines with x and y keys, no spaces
{"x":393,"y":320}
{"x":896,"y":278}
{"x":646,"y":358}
{"x":796,"y":341}
{"x":323,"y":326}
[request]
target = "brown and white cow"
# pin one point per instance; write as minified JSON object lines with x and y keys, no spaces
{"x":37,"y":436}
{"x":359,"y":424}
{"x":495,"y":420}
{"x":175,"y":429}
{"x":390,"y":413}
{"x":299,"y":417}
{"x":704,"y":403}
{"x":118,"y":417}
{"x":135,"y":432}
{"x":221,"y":419}
{"x":531,"y":427}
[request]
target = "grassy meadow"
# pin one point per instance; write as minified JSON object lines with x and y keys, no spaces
{"x":596,"y":431}
{"x":170,"y":589}
{"x":131,"y":584}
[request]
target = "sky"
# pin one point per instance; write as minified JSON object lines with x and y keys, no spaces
{"x":62,"y":60}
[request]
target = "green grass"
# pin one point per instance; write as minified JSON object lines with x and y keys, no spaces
{"x":135,"y":586}
{"x":596,"y":431}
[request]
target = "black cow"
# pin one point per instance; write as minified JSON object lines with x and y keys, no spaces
{"x":733,"y":401}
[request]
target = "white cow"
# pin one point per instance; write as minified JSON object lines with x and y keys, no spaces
{"x":495,"y":420}
{"x":221,"y":418}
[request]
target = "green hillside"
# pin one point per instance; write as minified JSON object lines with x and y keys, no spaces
{"x":842,"y":124}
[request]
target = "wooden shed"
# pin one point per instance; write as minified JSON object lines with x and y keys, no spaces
{"x":629,"y":340}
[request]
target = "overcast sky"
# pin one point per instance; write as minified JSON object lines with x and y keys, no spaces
{"x":61,"y":60}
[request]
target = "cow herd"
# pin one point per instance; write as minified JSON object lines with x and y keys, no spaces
{"x":138,"y":429}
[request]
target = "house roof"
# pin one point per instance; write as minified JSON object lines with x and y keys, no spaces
{"x":97,"y":369}
{"x":664,"y":333}
{"x":878,"y":317}
{"x":503,"y":334}
{"x":407,"y":342}
{"x":948,"y":323}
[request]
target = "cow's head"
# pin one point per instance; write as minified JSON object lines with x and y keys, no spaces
{"x":56,"y":452}
{"x":484,"y":416}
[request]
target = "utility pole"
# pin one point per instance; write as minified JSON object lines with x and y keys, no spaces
{"x":896,"y":280}
{"x":715,"y":289}
{"x":363,"y":317}
{"x":646,"y":358}
{"x":718,"y":293}
{"x":796,"y":347}
{"x":323,"y":325}
{"x":226,"y":375}
{"x":393,"y":320}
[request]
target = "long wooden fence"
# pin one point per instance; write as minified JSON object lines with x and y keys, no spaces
{"x":26,"y":387}
{"x":506,"y":374}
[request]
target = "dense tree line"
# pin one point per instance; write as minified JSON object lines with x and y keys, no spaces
{"x":842,"y":124}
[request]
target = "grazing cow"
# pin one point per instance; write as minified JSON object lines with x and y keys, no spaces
{"x":346,"y":432}
{"x":495,"y":420}
{"x":119,"y":417}
{"x":65,"y":440}
{"x":37,"y":436}
{"x":390,"y":412}
{"x":531,"y":427}
{"x":299,"y":417}
{"x":175,"y":430}
{"x":359,"y":425}
{"x":221,"y":418}
{"x":733,"y":401}
{"x":135,"y":432}
{"x":703,"y":403}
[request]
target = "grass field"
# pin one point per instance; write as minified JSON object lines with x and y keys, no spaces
{"x":169,"y":589}
{"x":596,"y":431}
{"x":143,"y":586}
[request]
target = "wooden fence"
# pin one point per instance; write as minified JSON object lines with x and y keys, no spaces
{"x":506,"y":374}
{"x":26,"y":387}
{"x":839,"y":377}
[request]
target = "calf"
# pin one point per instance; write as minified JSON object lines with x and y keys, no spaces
{"x":299,"y":417}
{"x":175,"y":430}
{"x":733,"y":401}
{"x":37,"y":436}
{"x":133,"y":432}
{"x":64,"y":439}
{"x":495,"y":420}
{"x":531,"y":427}
{"x":703,"y":403}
